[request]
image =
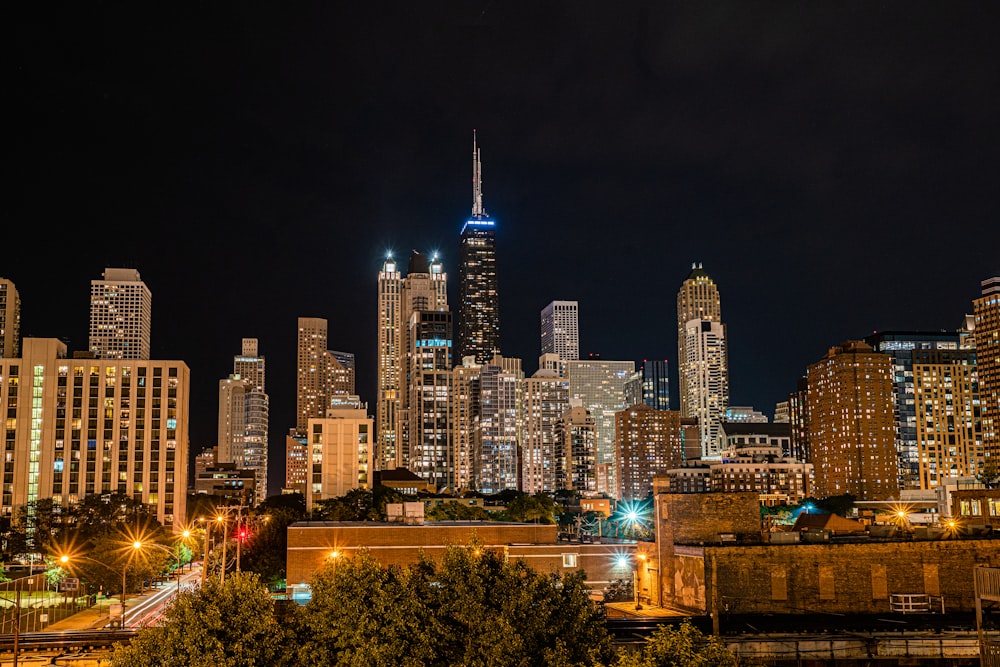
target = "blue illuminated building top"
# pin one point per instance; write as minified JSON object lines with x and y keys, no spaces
{"x":478,"y":222}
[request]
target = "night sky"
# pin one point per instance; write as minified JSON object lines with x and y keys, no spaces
{"x":834,"y":166}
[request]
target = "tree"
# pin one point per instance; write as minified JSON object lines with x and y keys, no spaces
{"x":682,"y":646}
{"x":267,"y":550}
{"x":223,"y":625}
{"x":473,"y":608}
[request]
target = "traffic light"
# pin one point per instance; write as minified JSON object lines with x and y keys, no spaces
{"x":242,"y":533}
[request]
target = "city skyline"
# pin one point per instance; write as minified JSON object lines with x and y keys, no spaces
{"x":302,"y":146}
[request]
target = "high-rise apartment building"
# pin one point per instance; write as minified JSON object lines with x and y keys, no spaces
{"x":77,"y":427}
{"x":10,"y":320}
{"x":324,"y":378}
{"x":901,"y":346}
{"x":478,"y":306}
{"x":412,"y":333}
{"x":544,"y":399}
{"x":500,"y":404}
{"x":798,"y":417}
{"x":698,"y":299}
{"x":561,"y":330}
{"x":647,"y":441}
{"x":851,"y":425}
{"x":465,"y":433}
{"x":426,"y":442}
{"x":244,"y":417}
{"x":120,"y":315}
{"x":576,"y":450}
{"x":390,"y":370}
{"x":296,"y":462}
{"x":599,"y":385}
{"x":948,"y":416}
{"x":986,"y":310}
{"x":340,"y":453}
{"x":705,"y":380}
{"x":656,"y":383}
{"x":702,"y":357}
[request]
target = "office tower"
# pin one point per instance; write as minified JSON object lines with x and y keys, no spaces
{"x":745,"y":414}
{"x":340,"y":453}
{"x":576,"y":450}
{"x":232,"y":419}
{"x":600,"y":387}
{"x":465,"y":439}
{"x":77,"y":427}
{"x":390,"y":370}
{"x":426,"y":440}
{"x":561,"y":330}
{"x":705,"y":380}
{"x":702,"y":357}
{"x":250,"y":366}
{"x":120,"y":314}
{"x":633,"y":389}
{"x":426,"y":329}
{"x":478,"y":309}
{"x":698,"y":299}
{"x":296,"y":463}
{"x":782,"y":414}
{"x":851,"y":423}
{"x":986,"y":310}
{"x":544,"y":399}
{"x":656,"y":384}
{"x":900,"y":346}
{"x":947,"y":416}
{"x":647,"y":441}
{"x":10,"y":320}
{"x":500,"y":424}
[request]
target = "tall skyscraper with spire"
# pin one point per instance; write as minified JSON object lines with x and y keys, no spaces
{"x":478,"y":312}
{"x":702,"y":357}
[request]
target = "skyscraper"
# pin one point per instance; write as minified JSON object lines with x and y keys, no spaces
{"x":311,"y":373}
{"x":10,"y":320}
{"x":702,"y":357}
{"x":986,"y":310}
{"x":576,"y":450}
{"x":390,"y":370}
{"x":851,"y":427}
{"x":500,"y":384}
{"x":478,"y":310}
{"x":243,"y":416}
{"x":465,"y":435}
{"x":340,"y":456}
{"x":426,"y":442}
{"x":599,"y":385}
{"x":545,"y":398}
{"x":561,"y":330}
{"x":656,"y":384}
{"x":120,"y":315}
{"x":901,"y":346}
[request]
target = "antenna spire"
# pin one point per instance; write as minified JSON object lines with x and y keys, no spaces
{"x":477,"y":181}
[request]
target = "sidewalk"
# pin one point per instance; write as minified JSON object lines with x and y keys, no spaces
{"x":91,"y":618}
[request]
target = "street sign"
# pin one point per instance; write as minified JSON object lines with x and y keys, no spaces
{"x":69,"y":584}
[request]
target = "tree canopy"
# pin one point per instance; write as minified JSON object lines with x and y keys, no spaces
{"x":218,"y":625}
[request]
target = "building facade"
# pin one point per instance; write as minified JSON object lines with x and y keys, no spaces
{"x":697,"y":299}
{"x":340,"y":453}
{"x":599,"y":385}
{"x":325,"y":378}
{"x":706,"y":381}
{"x":647,"y":441}
{"x":545,"y":398}
{"x":948,"y":416}
{"x":576,"y":451}
{"x":426,"y":443}
{"x":561,"y":329}
{"x":77,"y":427}
{"x":10,"y":320}
{"x":244,"y":417}
{"x":851,"y":424}
{"x":390,"y":371}
{"x":121,"y":309}
{"x":500,"y":406}
{"x":478,"y":305}
{"x":901,"y":346}
{"x":986,"y":310}
{"x":656,"y":383}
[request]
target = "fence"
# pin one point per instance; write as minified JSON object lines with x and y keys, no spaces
{"x":30,"y":605}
